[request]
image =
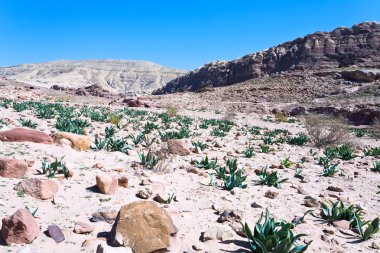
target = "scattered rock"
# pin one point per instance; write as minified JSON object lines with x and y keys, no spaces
{"x":106,"y":184}
{"x":160,"y":199}
{"x":25,"y":135}
{"x":256,"y":205}
{"x":218,"y":232}
{"x":178,"y":147}
{"x":145,"y":193}
{"x":38,"y":188}
{"x":83,"y":227}
{"x":342,"y":224}
{"x":19,"y":228}
{"x":271,"y":194}
{"x":12,"y":168}
{"x":144,"y":226}
{"x":335,"y":189}
{"x":375,"y":245}
{"x":230,"y":216}
{"x":106,"y":214}
{"x":56,"y":233}
{"x":198,"y":246}
{"x":123,"y":181}
{"x":311,"y":202}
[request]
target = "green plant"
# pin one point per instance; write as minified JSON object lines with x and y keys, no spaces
{"x":372,"y":227}
{"x":379,"y":189}
{"x":110,"y":132}
{"x":114,"y":118}
{"x":268,"y":141}
{"x":345,"y":152}
{"x":216,"y":131}
{"x":100,"y":143}
{"x":376,"y":166}
{"x":170,"y":198}
{"x":148,"y":160}
{"x":200,"y":145}
{"x":270,"y":179}
{"x":339,"y":211}
{"x":28,"y":123}
{"x":149,"y":127}
{"x":300,"y":139}
{"x":358,"y":132}
{"x":21,"y":194}
{"x":120,"y":145}
{"x":138,"y":139}
{"x":19,"y":107}
{"x":33,"y":213}
{"x":235,"y":178}
{"x":57,"y":166}
{"x":287,"y":163}
{"x":265,"y":148}
{"x":273,"y":236}
{"x":206,"y":164}
{"x":75,"y":126}
{"x":330,"y":170}
{"x":45,"y":111}
{"x":298,"y":172}
{"x":181,"y":134}
{"x":249,"y":152}
{"x":373,"y":152}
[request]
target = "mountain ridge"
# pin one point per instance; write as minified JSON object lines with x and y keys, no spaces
{"x":118,"y":76}
{"x":341,"y":47}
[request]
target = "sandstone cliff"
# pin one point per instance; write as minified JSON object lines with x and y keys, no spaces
{"x":342,"y":47}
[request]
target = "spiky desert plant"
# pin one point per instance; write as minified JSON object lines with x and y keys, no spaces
{"x":270,"y":179}
{"x":206,"y":164}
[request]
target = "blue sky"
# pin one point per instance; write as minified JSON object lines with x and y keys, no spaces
{"x":180,"y":34}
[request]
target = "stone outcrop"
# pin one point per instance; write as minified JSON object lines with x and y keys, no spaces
{"x":19,"y":228}
{"x":38,"y":188}
{"x":342,"y":47}
{"x":144,"y":227}
{"x":12,"y":168}
{"x":25,"y":135}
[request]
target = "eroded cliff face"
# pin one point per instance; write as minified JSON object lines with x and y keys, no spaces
{"x":114,"y":75}
{"x":343,"y":47}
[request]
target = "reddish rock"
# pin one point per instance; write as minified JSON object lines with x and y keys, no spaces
{"x":106,"y":184}
{"x":19,"y":228}
{"x":38,"y":188}
{"x":12,"y":168}
{"x":178,"y":147}
{"x":123,"y":181}
{"x":25,"y":135}
{"x":56,"y":233}
{"x":135,"y":103}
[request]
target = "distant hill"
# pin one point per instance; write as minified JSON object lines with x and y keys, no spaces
{"x":114,"y":75}
{"x":342,"y":47}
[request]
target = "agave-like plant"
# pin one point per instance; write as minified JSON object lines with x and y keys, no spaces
{"x":372,"y":227}
{"x":330,"y":170}
{"x":272,"y":236}
{"x":206,"y":164}
{"x":339,"y":211}
{"x":148,"y":160}
{"x":249,"y":152}
{"x":138,"y":139}
{"x":235,"y":178}
{"x":270,"y":179}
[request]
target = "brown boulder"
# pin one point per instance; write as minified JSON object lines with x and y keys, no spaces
{"x":178,"y":147}
{"x":19,"y":228}
{"x":25,"y":135}
{"x":144,"y":227}
{"x":38,"y":188}
{"x":106,"y":184}
{"x":135,"y":103}
{"x":12,"y":168}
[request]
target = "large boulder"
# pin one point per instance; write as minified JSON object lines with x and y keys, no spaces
{"x":362,"y":75}
{"x":12,"y":168}
{"x":135,"y":103}
{"x":25,"y":135}
{"x":78,"y":142}
{"x":19,"y":228}
{"x":38,"y":188}
{"x":178,"y":147}
{"x":144,"y":227}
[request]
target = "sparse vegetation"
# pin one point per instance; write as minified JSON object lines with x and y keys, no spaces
{"x":270,"y":179}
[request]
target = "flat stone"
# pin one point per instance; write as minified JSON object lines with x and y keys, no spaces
{"x":56,"y":233}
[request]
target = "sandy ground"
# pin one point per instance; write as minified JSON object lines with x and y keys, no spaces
{"x":192,"y":214}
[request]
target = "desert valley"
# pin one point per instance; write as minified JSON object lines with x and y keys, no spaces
{"x":277,"y":151}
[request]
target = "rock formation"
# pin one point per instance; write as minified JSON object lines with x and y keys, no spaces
{"x":343,"y":47}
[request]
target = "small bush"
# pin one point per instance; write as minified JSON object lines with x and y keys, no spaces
{"x":281,"y":117}
{"x":171,"y":110}
{"x":324,"y":131}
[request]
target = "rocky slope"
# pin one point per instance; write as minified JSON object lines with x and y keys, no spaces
{"x":115,"y":75}
{"x":342,"y":47}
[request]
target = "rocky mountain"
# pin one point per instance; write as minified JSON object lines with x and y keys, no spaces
{"x":114,"y":75}
{"x":342,"y":47}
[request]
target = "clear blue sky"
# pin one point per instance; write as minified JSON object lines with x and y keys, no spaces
{"x":181,"y":34}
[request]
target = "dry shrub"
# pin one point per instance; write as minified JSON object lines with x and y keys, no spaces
{"x":162,"y":167}
{"x":171,"y":110}
{"x":115,"y":118}
{"x":230,"y":113}
{"x":326,"y":131}
{"x":281,"y":117}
